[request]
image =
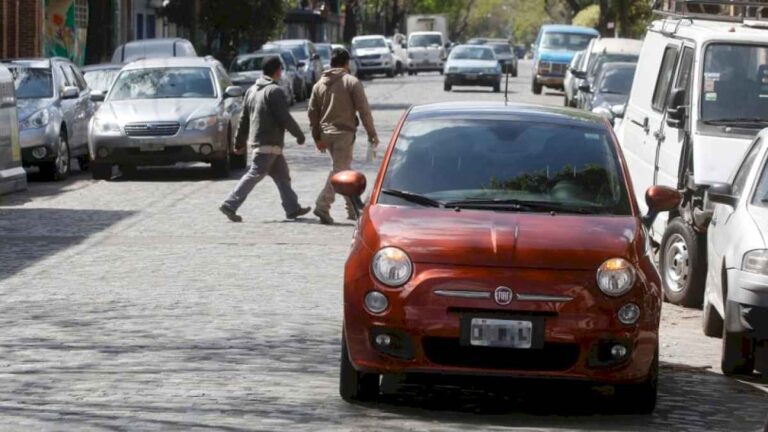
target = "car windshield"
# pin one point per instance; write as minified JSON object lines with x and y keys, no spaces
{"x":761,"y":191}
{"x":324,"y":51}
{"x":616,"y":81}
{"x":472,"y":53}
{"x":369,"y":43}
{"x":502,"y":48}
{"x":164,"y":83}
{"x":288,"y":59}
{"x":565,"y":41}
{"x":297,"y":50}
{"x":247,"y":64}
{"x":596,"y":63}
{"x":735,"y":83}
{"x":425,"y":40}
{"x":504,"y":160}
{"x":100,"y":80}
{"x":32,"y":83}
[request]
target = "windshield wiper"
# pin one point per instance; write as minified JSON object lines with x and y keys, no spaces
{"x":414,"y":198}
{"x":751,"y":121}
{"x":525,"y":205}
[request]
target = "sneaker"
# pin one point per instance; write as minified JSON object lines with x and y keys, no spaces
{"x":230,"y":214}
{"x":300,"y":212}
{"x":325,"y":217}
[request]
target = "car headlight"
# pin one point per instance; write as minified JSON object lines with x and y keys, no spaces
{"x":105,"y":126}
{"x":492,"y":70}
{"x":756,"y":261}
{"x":615,"y":277}
{"x":37,"y":120}
{"x":392,"y":266}
{"x":544,"y":67}
{"x":453,"y":69}
{"x":202,"y":123}
{"x":410,"y":55}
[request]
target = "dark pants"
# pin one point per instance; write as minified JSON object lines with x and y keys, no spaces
{"x":264,"y":165}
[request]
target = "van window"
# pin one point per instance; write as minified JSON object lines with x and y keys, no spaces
{"x":565,"y":41}
{"x":684,"y":73}
{"x":664,"y":78}
{"x":735,"y":85}
{"x":740,"y":179}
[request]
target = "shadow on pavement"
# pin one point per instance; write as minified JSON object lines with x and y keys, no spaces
{"x":28,"y":235}
{"x":183,"y":172}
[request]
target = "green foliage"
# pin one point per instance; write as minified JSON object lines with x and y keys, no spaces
{"x":588,"y":17}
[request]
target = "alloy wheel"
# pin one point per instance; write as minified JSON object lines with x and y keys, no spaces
{"x":62,"y":158}
{"x":677,"y":263}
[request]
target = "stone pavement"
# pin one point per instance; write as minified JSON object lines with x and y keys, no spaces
{"x":135,"y":305}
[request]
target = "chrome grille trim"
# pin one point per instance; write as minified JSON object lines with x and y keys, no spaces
{"x":463,"y":294}
{"x":467,"y":294}
{"x":152,"y":129}
{"x":542,"y":298}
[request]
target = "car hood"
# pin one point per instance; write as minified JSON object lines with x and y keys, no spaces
{"x":371,"y":51}
{"x":27,"y":107}
{"x":556,"y":56}
{"x":473,"y":63}
{"x":159,"y":110}
{"x":502,"y":239}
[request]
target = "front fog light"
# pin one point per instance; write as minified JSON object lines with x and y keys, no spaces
{"x":615,"y":277}
{"x":102,"y":152}
{"x":39,"y":152}
{"x":618,"y":352}
{"x":383,"y":340}
{"x":376,"y":302}
{"x":629,"y":313}
{"x":392,"y":266}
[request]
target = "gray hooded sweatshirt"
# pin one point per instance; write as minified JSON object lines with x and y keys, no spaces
{"x":265,"y":117}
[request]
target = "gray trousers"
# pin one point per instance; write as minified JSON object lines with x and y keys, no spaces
{"x":263,"y":165}
{"x":340,"y":147}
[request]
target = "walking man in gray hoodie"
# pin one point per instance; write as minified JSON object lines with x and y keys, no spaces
{"x":262,"y":125}
{"x":336,"y":101}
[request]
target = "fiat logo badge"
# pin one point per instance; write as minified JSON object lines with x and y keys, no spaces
{"x":503,"y":295}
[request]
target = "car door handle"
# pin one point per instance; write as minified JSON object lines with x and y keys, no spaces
{"x":643,"y":124}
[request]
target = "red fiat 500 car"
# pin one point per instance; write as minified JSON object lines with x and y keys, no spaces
{"x":503,"y":240}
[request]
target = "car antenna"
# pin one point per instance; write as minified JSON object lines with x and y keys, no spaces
{"x":506,"y":88}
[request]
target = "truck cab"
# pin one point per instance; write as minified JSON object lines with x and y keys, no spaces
{"x":699,"y":97}
{"x":555,"y":47}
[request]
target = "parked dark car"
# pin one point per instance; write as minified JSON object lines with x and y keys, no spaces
{"x":610,"y":92}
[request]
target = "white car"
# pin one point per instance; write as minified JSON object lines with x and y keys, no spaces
{"x":374,"y":55}
{"x":426,"y":52}
{"x":736,"y":294}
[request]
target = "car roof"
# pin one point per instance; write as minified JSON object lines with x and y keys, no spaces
{"x":288,"y":41}
{"x":32,"y":63}
{"x":568,"y":29}
{"x":619,"y":65}
{"x":169,"y":62}
{"x":102,"y":66}
{"x":705,"y":30}
{"x":157,"y":41}
{"x":510,"y":111}
{"x":369,"y":37}
{"x":617,"y":46}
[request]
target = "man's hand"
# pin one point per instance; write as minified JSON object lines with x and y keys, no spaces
{"x":239,"y":151}
{"x":321,"y":146}
{"x":374,"y":142}
{"x":301,"y":140}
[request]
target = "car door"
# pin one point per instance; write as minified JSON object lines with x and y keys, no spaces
{"x":68,"y":106}
{"x":84,"y":112}
{"x":231,"y":107}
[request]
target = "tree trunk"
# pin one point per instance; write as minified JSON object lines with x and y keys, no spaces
{"x":350,"y":20}
{"x":622,"y":10}
{"x":604,"y":18}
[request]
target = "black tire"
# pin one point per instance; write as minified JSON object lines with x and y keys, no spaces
{"x":639,"y":398}
{"x":440,"y":71}
{"x":58,"y":169}
{"x":410,"y":73}
{"x":566,"y":102}
{"x":415,"y":73}
{"x":101,"y":171}
{"x":447,"y":86}
{"x":711,"y":321}
{"x":683,"y":264}
{"x":221,"y":167}
{"x":390,"y":73}
{"x":536,"y":88}
{"x":355,"y":386}
{"x":497,"y":88}
{"x":84,"y":162}
{"x":514,"y":72}
{"x":127,"y":169}
{"x":738,"y":356}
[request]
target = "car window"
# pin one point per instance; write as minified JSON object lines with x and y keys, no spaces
{"x":598,"y":62}
{"x":289,"y":60}
{"x":164,"y":83}
{"x":465,"y":159}
{"x":425,"y":40}
{"x":501,"y":48}
{"x":565,"y":41}
{"x":246,"y":64}
{"x":684,"y":73}
{"x":32,"y":83}
{"x":735,"y":83}
{"x":664,"y":78}
{"x":616,"y":81}
{"x":369,"y":43}
{"x":101,"y":80}
{"x":742,"y":175}
{"x":67,"y":80}
{"x":81,"y":84}
{"x":761,"y":191}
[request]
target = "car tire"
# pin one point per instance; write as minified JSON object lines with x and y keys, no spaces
{"x":514,"y":72}
{"x":355,"y":386}
{"x":738,"y":356}
{"x":447,"y":86}
{"x":711,"y":321}
{"x":497,"y":88}
{"x":127,"y":169}
{"x":536,"y":88}
{"x":101,"y":171}
{"x":566,"y":102}
{"x":639,"y":398}
{"x":58,"y":169}
{"x":440,"y":71}
{"x":390,"y":73}
{"x":683,"y":264}
{"x":84,"y":162}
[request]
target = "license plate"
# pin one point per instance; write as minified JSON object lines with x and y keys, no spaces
{"x":501,"y":333}
{"x":151,"y":147}
{"x":470,"y":76}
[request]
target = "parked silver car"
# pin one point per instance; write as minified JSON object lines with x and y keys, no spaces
{"x":245,"y":70}
{"x":736,"y":294}
{"x":54,"y":104}
{"x":163,"y":111}
{"x":306,"y":54}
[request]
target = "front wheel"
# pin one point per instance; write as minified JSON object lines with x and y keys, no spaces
{"x":221,"y":167}
{"x":683,"y":264}
{"x":447,"y":86}
{"x":514,"y":72}
{"x":536,"y":88}
{"x":497,"y":88}
{"x":59,"y":168}
{"x":390,"y":73}
{"x":355,"y":386}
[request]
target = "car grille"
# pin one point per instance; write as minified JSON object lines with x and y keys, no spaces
{"x":369,"y":57}
{"x":559,"y":68}
{"x":450,"y":352}
{"x":151,"y":129}
{"x":472,"y":70}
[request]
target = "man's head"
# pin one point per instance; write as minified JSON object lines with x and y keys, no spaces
{"x":340,"y":58}
{"x":272,"y":67}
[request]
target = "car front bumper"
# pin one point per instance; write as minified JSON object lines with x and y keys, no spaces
{"x":747,"y":304}
{"x":30,"y":139}
{"x":425,"y":65}
{"x":550,"y":80}
{"x":466,"y":79}
{"x":426,"y":328}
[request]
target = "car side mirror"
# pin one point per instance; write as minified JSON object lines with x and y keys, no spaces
{"x":98,"y":96}
{"x":676,"y":109}
{"x":618,"y":110}
{"x":300,"y":65}
{"x":579,"y":74}
{"x":350,"y":184}
{"x":585,"y":87}
{"x":660,"y":199}
{"x":234,"y":91}
{"x":70,"y":92}
{"x":722,"y":193}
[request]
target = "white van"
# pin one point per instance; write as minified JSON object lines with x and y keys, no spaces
{"x":426,"y":52}
{"x":12,"y":175}
{"x":699,"y":97}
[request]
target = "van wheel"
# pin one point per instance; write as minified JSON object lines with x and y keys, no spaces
{"x":514,"y":72}
{"x":390,"y":73}
{"x":711,"y":321}
{"x":683,"y":264}
{"x":101,"y":171}
{"x":639,"y":398}
{"x":738,"y":357}
{"x":447,"y":86}
{"x":59,"y":168}
{"x":497,"y":88}
{"x":355,"y":386}
{"x":536,"y":88}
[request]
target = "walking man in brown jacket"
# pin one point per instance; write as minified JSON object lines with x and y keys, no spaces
{"x":336,"y":101}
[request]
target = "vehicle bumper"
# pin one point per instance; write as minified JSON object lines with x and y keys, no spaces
{"x":30,"y":139}
{"x":421,"y":65}
{"x":550,"y":80}
{"x":461,"y":79}
{"x":747,"y":304}
{"x":186,"y":146}
{"x":375,"y":67}
{"x":426,"y":328}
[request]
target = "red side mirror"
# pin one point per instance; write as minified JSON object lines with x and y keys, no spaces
{"x":349,"y":183}
{"x":662,"y":198}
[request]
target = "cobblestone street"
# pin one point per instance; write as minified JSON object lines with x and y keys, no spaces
{"x":135,"y":305}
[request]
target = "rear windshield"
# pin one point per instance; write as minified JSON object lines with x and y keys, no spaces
{"x":425,"y":40}
{"x":32,"y":83}
{"x":100,"y":80}
{"x":246,"y":64}
{"x":472,"y":53}
{"x":616,"y":81}
{"x":502,"y":48}
{"x":494,"y":159}
{"x":565,"y":41}
{"x":164,"y":83}
{"x":369,"y":43}
{"x":596,"y":63}
{"x":297,"y":50}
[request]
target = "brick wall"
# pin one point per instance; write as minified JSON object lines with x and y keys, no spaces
{"x":21,"y":32}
